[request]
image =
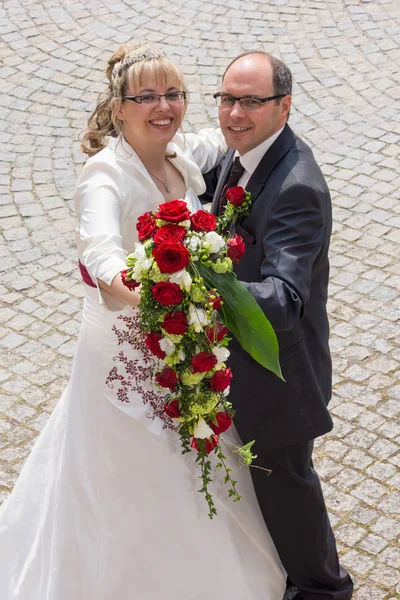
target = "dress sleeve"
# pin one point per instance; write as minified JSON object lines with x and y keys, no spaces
{"x":98,"y":202}
{"x":207,"y":147}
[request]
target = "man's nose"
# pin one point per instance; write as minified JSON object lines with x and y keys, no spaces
{"x":237,"y":112}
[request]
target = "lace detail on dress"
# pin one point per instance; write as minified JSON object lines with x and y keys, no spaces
{"x":135,"y":375}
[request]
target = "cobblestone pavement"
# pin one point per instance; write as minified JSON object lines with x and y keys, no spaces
{"x":345,"y":58}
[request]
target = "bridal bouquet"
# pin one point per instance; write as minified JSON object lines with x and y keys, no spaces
{"x":190,"y":301}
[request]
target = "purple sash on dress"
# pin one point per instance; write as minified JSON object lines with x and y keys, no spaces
{"x":85,"y":276}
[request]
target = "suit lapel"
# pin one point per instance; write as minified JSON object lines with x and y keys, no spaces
{"x":269,"y":161}
{"x":225,"y":168}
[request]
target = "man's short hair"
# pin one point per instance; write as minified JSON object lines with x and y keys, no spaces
{"x":281,"y":75}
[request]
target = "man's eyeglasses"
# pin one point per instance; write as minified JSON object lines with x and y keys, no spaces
{"x":171,"y":98}
{"x":246,"y":102}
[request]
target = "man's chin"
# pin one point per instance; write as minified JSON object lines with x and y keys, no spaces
{"x":240,"y":142}
{"x":239,"y":147}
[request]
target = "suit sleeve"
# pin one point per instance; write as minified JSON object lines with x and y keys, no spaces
{"x":292,"y":239}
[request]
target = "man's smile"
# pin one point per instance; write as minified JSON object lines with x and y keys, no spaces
{"x":238,"y":129}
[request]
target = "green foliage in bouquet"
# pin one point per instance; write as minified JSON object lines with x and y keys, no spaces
{"x":245,"y":319}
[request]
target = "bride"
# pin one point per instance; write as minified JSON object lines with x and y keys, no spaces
{"x":106,"y":506}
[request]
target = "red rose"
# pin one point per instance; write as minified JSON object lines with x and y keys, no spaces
{"x":221,"y":380}
{"x":173,"y":211}
{"x":167,"y":293}
{"x":216,"y":301}
{"x":146,"y":226}
{"x":217,"y":333}
{"x":203,"y":362}
{"x":211,"y":443}
{"x":172,"y":409}
{"x":152,"y":341}
{"x":167,"y":378}
{"x":171,"y":257}
{"x":175,"y":323}
{"x":170,"y":233}
{"x":236,"y":248}
{"x":224,"y":421}
{"x":203,"y":221}
{"x":129,"y":283}
{"x":236,"y":195}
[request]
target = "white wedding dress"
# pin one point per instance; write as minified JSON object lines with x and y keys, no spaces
{"x":106,"y":506}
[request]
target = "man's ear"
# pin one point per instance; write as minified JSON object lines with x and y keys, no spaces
{"x":285,"y":105}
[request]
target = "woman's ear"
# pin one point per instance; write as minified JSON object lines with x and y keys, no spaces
{"x":120,"y":109}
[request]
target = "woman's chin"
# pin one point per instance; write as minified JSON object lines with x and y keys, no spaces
{"x":164,"y":134}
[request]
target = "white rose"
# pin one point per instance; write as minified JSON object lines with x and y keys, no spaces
{"x":215,"y":242}
{"x":197,"y":318}
{"x":181,"y":278}
{"x":202,"y":430}
{"x":167,"y":345}
{"x":226,"y":391}
{"x":222,"y":354}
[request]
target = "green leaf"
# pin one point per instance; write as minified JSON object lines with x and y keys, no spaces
{"x":245,"y":319}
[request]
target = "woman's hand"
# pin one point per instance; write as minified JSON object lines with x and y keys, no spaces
{"x":119,"y":291}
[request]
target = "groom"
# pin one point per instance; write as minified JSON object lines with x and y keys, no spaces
{"x":285,"y":267}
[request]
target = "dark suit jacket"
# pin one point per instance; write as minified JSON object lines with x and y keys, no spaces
{"x":285,"y":267}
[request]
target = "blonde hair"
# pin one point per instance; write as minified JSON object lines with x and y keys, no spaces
{"x":129,"y":64}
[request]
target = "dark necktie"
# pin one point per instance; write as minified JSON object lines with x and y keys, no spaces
{"x":235,"y":174}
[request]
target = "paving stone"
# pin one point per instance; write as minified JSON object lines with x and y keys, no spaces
{"x":390,"y":504}
{"x":13,"y":340}
{"x":369,"y":492}
{"x":363,"y":515}
{"x":346,"y":479}
{"x":339,"y":502}
{"x":370,"y":593}
{"x":385,"y":575}
{"x":381,"y":471}
{"x":383,"y":449}
{"x":387,"y":528}
{"x":358,"y":562}
{"x":391,"y":556}
{"x":358,"y":459}
{"x":350,"y":535}
{"x":373,"y":544}
{"x":348,"y":410}
{"x":20,"y":412}
{"x":55,"y":340}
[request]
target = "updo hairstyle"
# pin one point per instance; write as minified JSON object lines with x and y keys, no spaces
{"x":130,"y":64}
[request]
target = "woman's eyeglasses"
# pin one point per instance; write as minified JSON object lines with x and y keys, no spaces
{"x":171,"y":98}
{"x":246,"y":102}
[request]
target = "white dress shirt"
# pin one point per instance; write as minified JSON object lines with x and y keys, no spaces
{"x":251,"y":159}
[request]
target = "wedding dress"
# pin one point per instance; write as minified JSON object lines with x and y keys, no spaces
{"x":106,"y":506}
